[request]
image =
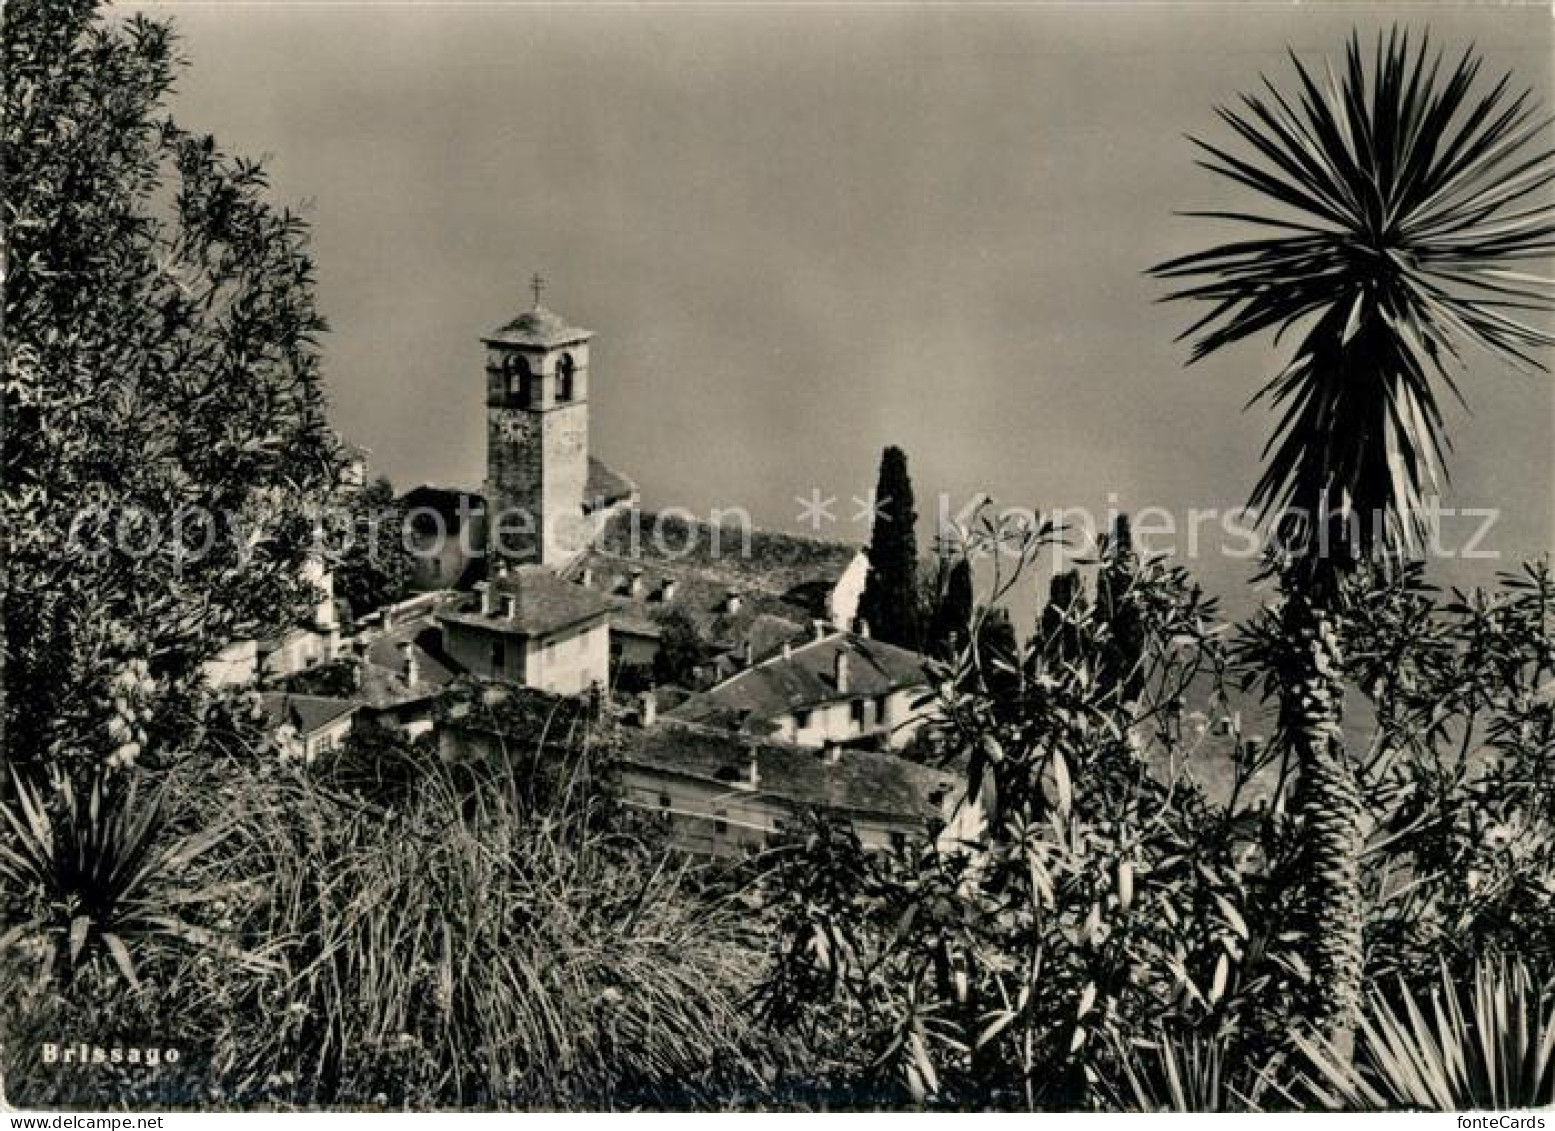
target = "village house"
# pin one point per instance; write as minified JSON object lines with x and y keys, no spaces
{"x":306,"y":726}
{"x":529,"y":627}
{"x":745,"y":591}
{"x":388,"y":675}
{"x":399,"y":679}
{"x":837,"y":688}
{"x":446,"y":536}
{"x":721,"y":795}
{"x":718,"y":793}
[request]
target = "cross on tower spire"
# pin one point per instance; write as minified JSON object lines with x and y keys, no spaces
{"x":537,"y":284}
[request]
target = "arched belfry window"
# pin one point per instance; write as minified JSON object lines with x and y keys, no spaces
{"x":564,"y":378}
{"x":520,"y":380}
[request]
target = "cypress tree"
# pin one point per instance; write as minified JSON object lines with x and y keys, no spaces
{"x":1122,"y":660}
{"x":890,"y":600}
{"x":1058,"y":638}
{"x":998,"y":654}
{"x":953,"y":613}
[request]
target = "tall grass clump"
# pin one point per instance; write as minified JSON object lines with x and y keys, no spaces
{"x":468,"y":945}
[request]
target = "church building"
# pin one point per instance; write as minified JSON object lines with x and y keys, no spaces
{"x":550,"y":518}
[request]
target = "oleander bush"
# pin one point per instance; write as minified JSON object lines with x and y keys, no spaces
{"x":1118,"y":916}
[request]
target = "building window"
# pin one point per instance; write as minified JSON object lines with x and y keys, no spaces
{"x":520,"y":381}
{"x":664,"y":801}
{"x":898,"y":840}
{"x":801,"y":719}
{"x":720,"y":826}
{"x":858,"y":710}
{"x":880,"y":708}
{"x":499,"y":659}
{"x":564,"y":379}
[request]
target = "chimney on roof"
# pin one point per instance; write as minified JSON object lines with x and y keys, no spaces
{"x":412,"y":667}
{"x":840,"y":671}
{"x":752,"y":768}
{"x":386,"y":617}
{"x":510,"y":605}
{"x":732,"y":603}
{"x":831,"y":753}
{"x":667,"y":590}
{"x":788,"y":650}
{"x":861,"y":626}
{"x":586,"y":578}
{"x":502,"y":569}
{"x":648,"y":708}
{"x":635,"y":586}
{"x":818,"y":629}
{"x":488,"y":603}
{"x":748,"y":653}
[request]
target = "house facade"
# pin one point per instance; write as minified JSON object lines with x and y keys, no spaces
{"x":722,"y":794}
{"x":838,"y":688}
{"x":306,"y":726}
{"x":528,"y":627}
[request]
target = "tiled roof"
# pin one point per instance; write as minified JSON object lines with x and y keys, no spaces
{"x":539,"y":327}
{"x":763,"y":618}
{"x":778,"y":578}
{"x":546,"y":604}
{"x":444,"y":500}
{"x":858,"y":781}
{"x":383,"y":684}
{"x":605,"y":486}
{"x":384,"y":652}
{"x":774,"y":561}
{"x":308,"y":713}
{"x":807,"y":677}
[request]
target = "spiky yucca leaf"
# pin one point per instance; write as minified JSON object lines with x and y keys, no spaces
{"x":1398,"y":200}
{"x":1486,"y":1045}
{"x":1176,"y":1073}
{"x":98,"y":875}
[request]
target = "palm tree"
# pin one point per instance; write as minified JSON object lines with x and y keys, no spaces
{"x":1398,"y":201}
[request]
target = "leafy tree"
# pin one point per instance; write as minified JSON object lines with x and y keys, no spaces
{"x":165,"y":425}
{"x":1082,"y":901}
{"x":681,"y":649}
{"x":372,"y":567}
{"x":890,"y":600}
{"x":1400,"y":203}
{"x":950,"y":619}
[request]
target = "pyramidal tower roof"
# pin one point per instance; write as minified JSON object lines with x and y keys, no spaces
{"x":539,"y":327}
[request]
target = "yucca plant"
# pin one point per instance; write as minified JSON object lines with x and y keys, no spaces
{"x":1175,"y":1073}
{"x":86,"y":876}
{"x":1397,"y":202}
{"x":1488,"y":1044}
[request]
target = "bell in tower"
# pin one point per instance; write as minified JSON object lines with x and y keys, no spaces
{"x":537,"y":437}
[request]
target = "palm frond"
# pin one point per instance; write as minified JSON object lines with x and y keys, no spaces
{"x":1398,"y":196}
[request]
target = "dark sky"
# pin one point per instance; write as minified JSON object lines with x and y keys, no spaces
{"x":803,"y":233}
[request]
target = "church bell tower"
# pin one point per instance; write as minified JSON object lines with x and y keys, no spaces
{"x":537,"y":437}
